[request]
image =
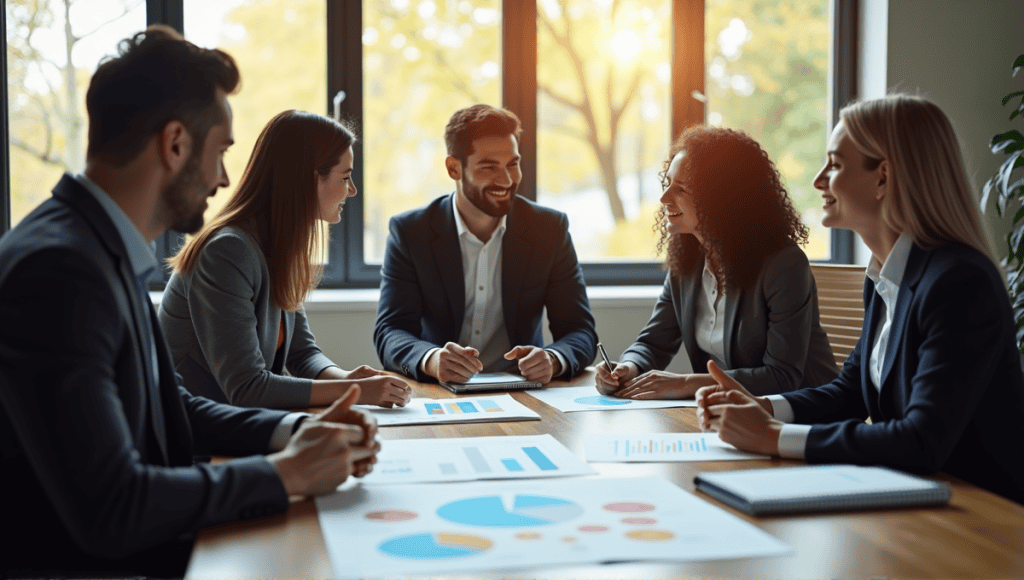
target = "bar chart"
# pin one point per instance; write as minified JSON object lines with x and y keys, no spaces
{"x":662,"y":447}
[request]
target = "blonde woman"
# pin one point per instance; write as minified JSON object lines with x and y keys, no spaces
{"x":936,"y":367}
{"x":232,"y":312}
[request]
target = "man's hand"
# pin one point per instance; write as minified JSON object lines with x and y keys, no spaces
{"x":454,"y":363}
{"x":342,"y":412}
{"x":325,"y":451}
{"x":740,"y":418}
{"x":535,"y":363}
{"x":609,"y":382}
{"x":663,"y":385}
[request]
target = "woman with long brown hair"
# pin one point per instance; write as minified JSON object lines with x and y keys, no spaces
{"x":232,"y":312}
{"x":739,"y":290}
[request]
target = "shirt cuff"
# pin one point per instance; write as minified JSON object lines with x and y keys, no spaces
{"x":561,"y":360}
{"x":283,"y":432}
{"x":423,"y":361}
{"x":781,"y":408}
{"x":793,"y":441}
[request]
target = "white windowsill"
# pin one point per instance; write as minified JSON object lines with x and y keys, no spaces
{"x":365,"y":299}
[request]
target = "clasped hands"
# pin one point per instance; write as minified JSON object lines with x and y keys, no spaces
{"x":457,"y":364}
{"x":328,"y":448}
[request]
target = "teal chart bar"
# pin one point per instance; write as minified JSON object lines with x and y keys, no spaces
{"x":512,"y":465}
{"x":540,"y":459}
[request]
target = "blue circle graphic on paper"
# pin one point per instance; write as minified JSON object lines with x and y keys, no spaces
{"x":601,"y":400}
{"x":526,"y":510}
{"x":438,"y":546}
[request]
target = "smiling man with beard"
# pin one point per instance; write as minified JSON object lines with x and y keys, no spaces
{"x":466,"y":278}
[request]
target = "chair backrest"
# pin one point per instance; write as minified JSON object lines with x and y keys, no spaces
{"x":841,"y":304}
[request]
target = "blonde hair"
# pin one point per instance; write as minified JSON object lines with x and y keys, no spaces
{"x":277,"y":202}
{"x":928,"y":194}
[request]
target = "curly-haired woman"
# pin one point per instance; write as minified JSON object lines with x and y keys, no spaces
{"x":739,"y":290}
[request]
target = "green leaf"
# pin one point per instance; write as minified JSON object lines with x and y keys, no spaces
{"x":1010,"y":96}
{"x":1014,"y":114}
{"x":1019,"y":216}
{"x":1006,"y":173}
{"x":1004,"y":140}
{"x":985,"y":191}
{"x":1018,"y":64}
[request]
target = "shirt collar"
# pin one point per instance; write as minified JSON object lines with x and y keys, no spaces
{"x":460,"y":224}
{"x":895,"y":263}
{"x":141,"y":254}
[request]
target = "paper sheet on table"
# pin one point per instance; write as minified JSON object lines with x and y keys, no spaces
{"x":421,"y":529}
{"x":474,"y":458}
{"x":638,"y":447}
{"x":483,"y":409}
{"x":586,"y":398}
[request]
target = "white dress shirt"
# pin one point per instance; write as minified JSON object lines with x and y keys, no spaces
{"x":483,"y":320}
{"x":887,"y":278}
{"x":143,"y":263}
{"x":710,"y":321}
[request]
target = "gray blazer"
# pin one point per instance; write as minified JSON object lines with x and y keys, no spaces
{"x":221,"y":326}
{"x":774,"y":342}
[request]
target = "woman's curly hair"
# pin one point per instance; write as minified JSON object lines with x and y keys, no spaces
{"x":744,"y":213}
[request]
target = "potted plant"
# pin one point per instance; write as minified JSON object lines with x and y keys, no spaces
{"x":1007,"y":189}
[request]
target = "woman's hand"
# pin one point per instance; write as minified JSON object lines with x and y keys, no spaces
{"x":608,"y":382}
{"x":663,"y":385}
{"x":383,"y":390}
{"x":740,"y":418}
{"x":362,"y":372}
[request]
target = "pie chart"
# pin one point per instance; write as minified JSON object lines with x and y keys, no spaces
{"x":435,"y":546}
{"x":601,"y":400}
{"x":525,"y":510}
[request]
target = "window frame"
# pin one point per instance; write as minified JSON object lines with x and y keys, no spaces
{"x":347,"y":267}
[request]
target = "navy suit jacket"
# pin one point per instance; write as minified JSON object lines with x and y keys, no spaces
{"x":952,"y":391}
{"x":422,"y":288}
{"x":97,"y":457}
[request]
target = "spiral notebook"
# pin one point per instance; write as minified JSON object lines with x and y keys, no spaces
{"x":491,"y":382}
{"x":819,"y":488}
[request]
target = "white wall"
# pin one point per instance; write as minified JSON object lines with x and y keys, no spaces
{"x":956,"y":52}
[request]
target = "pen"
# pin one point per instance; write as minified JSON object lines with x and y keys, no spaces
{"x":604,"y":355}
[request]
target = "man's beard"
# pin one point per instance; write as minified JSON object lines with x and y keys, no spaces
{"x":177,"y":195}
{"x":479,"y":198}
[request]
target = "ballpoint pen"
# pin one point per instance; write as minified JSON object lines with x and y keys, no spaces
{"x":604,"y":355}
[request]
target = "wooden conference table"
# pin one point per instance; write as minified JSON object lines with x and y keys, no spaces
{"x":978,"y":535}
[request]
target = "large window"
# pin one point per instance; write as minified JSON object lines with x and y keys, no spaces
{"x":602,"y":86}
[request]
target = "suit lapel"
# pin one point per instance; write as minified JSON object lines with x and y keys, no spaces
{"x":516,"y":249}
{"x":690,"y":289}
{"x":448,"y":261}
{"x":75,"y":195}
{"x":911,"y":274}
{"x":732,"y":301}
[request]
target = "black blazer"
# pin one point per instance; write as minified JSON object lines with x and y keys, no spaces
{"x":774,"y":342}
{"x":952,"y":394}
{"x":422,"y":292}
{"x":97,"y":460}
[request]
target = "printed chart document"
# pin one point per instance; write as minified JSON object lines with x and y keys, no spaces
{"x":819,"y":487}
{"x":473,"y":458}
{"x":619,"y":447}
{"x":392,"y":530}
{"x":567,"y":399}
{"x":481,"y":409}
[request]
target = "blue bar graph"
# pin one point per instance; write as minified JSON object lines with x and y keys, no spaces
{"x":540,"y":459}
{"x":468,"y":407}
{"x":512,"y":465}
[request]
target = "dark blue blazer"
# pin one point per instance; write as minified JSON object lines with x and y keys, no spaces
{"x":97,"y":458}
{"x":952,"y":394}
{"x":422,"y":288}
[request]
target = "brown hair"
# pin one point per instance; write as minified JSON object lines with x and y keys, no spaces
{"x":469,"y":124}
{"x":277,"y":202}
{"x":744,"y":214}
{"x":157,"y":77}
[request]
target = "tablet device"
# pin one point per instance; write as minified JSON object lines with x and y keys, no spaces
{"x":491,"y":382}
